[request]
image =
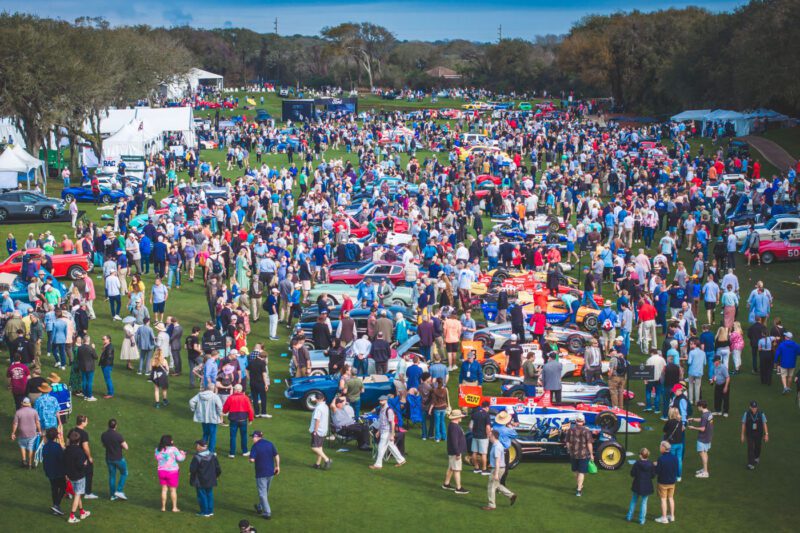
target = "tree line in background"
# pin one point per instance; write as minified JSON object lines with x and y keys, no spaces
{"x":59,"y":74}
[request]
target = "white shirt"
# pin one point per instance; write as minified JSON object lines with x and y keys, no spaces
{"x":321,"y":413}
{"x":112,"y":285}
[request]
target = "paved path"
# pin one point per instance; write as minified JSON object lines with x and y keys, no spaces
{"x":772,"y":151}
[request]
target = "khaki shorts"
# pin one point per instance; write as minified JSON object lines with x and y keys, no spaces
{"x":454,"y":463}
{"x":785,"y":372}
{"x":306,"y":283}
{"x":665,"y":491}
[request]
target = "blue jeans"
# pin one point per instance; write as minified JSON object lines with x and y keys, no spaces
{"x":439,"y":429}
{"x":60,"y":353}
{"x":647,"y":234}
{"x":263,"y":484}
{"x":588,"y":299}
{"x":144,"y":360}
{"x":115,"y":303}
{"x":361,"y":366}
{"x":107,"y":376}
{"x":210,"y":436}
{"x":492,"y":262}
{"x":665,"y":401}
{"x":642,"y":509}
{"x":239,"y":426}
{"x":113,"y":467}
{"x":205,"y":498}
{"x":87,"y":381}
{"x":356,"y":405}
{"x":145,"y":263}
{"x":652,"y":395}
{"x":677,"y":451}
{"x":530,"y":390}
{"x":710,"y":364}
{"x":626,"y":340}
{"x":174,"y":273}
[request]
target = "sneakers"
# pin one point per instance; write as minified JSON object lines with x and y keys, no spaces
{"x":165,"y":402}
{"x":231,"y":456}
{"x":725,"y":415}
{"x":90,"y":496}
{"x":328,"y":464}
{"x":513,"y":499}
{"x":486,"y":473}
{"x":487,"y":508}
{"x":662,"y":520}
{"x":113,"y":498}
{"x":702,"y":475}
{"x":678,"y":479}
{"x":447,"y":487}
{"x":461,"y":491}
{"x":579,"y":493}
{"x":751,"y":467}
{"x":73,"y":519}
{"x":246,"y":454}
{"x":91,"y":399}
{"x":266,"y":416}
{"x":107,"y":397}
{"x":477,"y":471}
{"x":85,"y":514}
{"x":57,"y":510}
{"x":671,"y":517}
{"x":120,"y":495}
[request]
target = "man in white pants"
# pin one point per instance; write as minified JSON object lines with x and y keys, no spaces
{"x":386,"y":422}
{"x":497,"y":459}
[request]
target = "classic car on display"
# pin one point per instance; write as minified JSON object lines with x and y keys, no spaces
{"x":63,"y":265}
{"x":302,"y":390}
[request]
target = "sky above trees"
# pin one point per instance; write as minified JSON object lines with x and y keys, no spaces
{"x":476,"y":20}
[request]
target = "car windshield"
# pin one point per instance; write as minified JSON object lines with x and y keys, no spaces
{"x":408,"y":345}
{"x":771,"y":223}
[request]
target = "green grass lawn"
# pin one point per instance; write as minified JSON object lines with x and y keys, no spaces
{"x":404,"y":499}
{"x":787,"y":138}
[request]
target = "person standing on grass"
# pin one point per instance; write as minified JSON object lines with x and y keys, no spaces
{"x":107,"y":365}
{"x":54,"y":469}
{"x":114,"y":443}
{"x":158,"y":299}
{"x":754,"y":431}
{"x":706,"y":432}
{"x":272,"y":311}
{"x":24,"y":430}
{"x":786,"y":360}
{"x":87,"y":355}
{"x":480,"y":425}
{"x":386,"y":430}
{"x":319,"y":430}
{"x":579,"y":446}
{"x":722,"y":387}
{"x":239,"y":409}
{"x":674,"y":434}
{"x":76,"y":467}
{"x":258,"y":374}
{"x":642,"y":472}
{"x":159,"y":375}
{"x":667,"y":475}
{"x":168,"y":458}
{"x":204,"y":471}
{"x":82,"y":422}
{"x":456,"y":448}
{"x":145,"y":342}
{"x":267,"y":462}
{"x":207,"y":408}
{"x":497,"y":460}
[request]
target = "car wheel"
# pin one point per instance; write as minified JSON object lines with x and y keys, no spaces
{"x":518,"y":393}
{"x":590,"y":322}
{"x":106,"y":199}
{"x":309,"y":345}
{"x":69,"y":197}
{"x":499,"y":277}
{"x":273,"y":149}
{"x":490,"y":371}
{"x":398,"y":302}
{"x":603,"y":397}
{"x":768,"y":258}
{"x":514,"y":454}
{"x":308,"y":399}
{"x":75,"y":271}
{"x":552,"y":238}
{"x":575,"y":344}
{"x":318,"y":372}
{"x":553,"y":226}
{"x":3,"y":214}
{"x":610,"y":455}
{"x":486,"y":341}
{"x":607,"y":421}
{"x":48,"y":213}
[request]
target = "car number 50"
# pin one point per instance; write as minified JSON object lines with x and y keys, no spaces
{"x":793,"y":252}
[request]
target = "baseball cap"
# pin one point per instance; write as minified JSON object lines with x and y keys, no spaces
{"x":201,"y":443}
{"x":788,"y":335}
{"x":677,"y":387}
{"x":753,"y":403}
{"x":383,"y":398}
{"x":258,"y":433}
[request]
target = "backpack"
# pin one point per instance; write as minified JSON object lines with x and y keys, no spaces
{"x":622,"y":366}
{"x":607,"y":325}
{"x":216,"y":267}
{"x":226,"y":380}
{"x":689,"y":409}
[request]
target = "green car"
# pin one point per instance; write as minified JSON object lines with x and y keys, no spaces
{"x":525,"y":106}
{"x":336,"y":291}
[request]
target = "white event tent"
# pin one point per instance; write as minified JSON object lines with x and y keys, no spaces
{"x":18,"y":165}
{"x":132,"y":139}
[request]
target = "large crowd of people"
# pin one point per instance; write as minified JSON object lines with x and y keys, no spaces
{"x":646,"y":224}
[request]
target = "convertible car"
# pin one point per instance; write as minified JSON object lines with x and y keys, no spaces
{"x":18,"y":289}
{"x":360,"y":316}
{"x":378,"y":270}
{"x":64,"y":265}
{"x":335,"y":293}
{"x":301,"y":390}
{"x":495,"y":337}
{"x":85,"y":194}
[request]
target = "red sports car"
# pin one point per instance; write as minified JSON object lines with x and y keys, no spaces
{"x":783,"y":250}
{"x":64,"y":265}
{"x":377,"y":270}
{"x":497,"y":180}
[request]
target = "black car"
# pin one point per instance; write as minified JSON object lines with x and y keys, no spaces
{"x":27,"y":205}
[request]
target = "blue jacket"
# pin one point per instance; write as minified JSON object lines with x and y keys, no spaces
{"x":786,"y":354}
{"x":53,"y":460}
{"x":471,"y":372}
{"x":643,"y":472}
{"x":60,"y":332}
{"x":667,"y":469}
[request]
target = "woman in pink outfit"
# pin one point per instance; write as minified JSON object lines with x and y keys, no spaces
{"x":169,"y":457}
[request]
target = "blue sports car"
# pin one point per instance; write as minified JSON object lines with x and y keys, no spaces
{"x":18,"y":289}
{"x":303,"y":389}
{"x":85,"y":194}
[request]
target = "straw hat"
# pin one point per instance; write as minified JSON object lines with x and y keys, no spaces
{"x":45,"y":388}
{"x":160,"y":327}
{"x":455,"y":414}
{"x":503,"y":418}
{"x":54,"y":378}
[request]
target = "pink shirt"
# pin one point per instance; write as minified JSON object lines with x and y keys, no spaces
{"x":169,"y":458}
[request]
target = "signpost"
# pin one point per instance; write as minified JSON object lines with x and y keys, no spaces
{"x":640,"y":372}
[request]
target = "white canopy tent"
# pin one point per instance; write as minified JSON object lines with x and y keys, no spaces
{"x":18,"y":165}
{"x":187,"y":85}
{"x":691,"y":114}
{"x":134,"y":138}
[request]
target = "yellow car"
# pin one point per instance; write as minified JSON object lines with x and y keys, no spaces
{"x":479,"y":149}
{"x":477,"y":106}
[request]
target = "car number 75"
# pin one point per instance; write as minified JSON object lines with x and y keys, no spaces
{"x":29,"y":209}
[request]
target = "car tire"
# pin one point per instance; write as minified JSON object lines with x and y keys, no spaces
{"x":3,"y":214}
{"x":75,"y":271}
{"x":607,"y":421}
{"x":308,"y":399}
{"x":610,"y":455}
{"x":514,"y":454}
{"x":552,"y":238}
{"x":106,"y":199}
{"x":318,"y":372}
{"x":519,"y":394}
{"x":553,"y":226}
{"x":309,"y":345}
{"x":486,"y":341}
{"x":590,"y":323}
{"x":69,"y":197}
{"x":768,"y":258}
{"x":490,"y":371}
{"x":575,"y":344}
{"x":48,"y":213}
{"x":399,"y":303}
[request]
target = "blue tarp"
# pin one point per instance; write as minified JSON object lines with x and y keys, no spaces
{"x":691,"y":114}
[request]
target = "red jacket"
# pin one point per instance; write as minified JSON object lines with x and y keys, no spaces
{"x":647,"y":312}
{"x":538,"y":322}
{"x":239,"y":403}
